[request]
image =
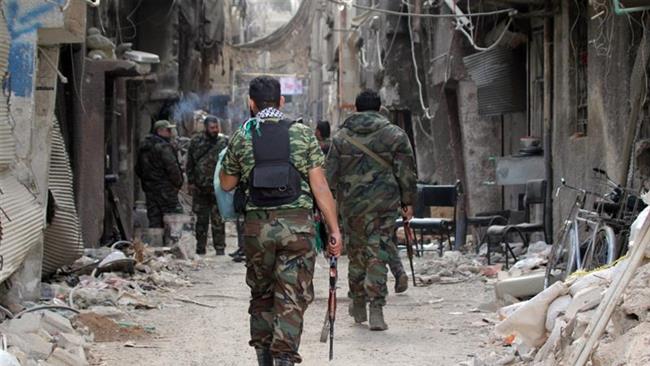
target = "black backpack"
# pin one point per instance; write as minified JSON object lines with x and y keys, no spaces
{"x":274,"y":181}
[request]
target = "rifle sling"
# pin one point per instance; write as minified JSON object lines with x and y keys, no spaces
{"x":367,"y":151}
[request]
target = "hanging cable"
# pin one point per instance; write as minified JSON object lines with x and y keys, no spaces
{"x":378,"y":47}
{"x":415,"y":69}
{"x":496,"y":43}
{"x":510,"y":11}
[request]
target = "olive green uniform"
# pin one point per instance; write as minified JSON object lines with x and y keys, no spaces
{"x":370,"y":197}
{"x":202,"y":157}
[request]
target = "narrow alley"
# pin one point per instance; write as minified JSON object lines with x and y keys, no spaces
{"x":316,"y":182}
{"x":194,"y":335}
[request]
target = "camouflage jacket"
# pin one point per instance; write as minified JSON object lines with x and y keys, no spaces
{"x":158,"y":166}
{"x":202,"y":157}
{"x":361,"y":184}
{"x":305,"y":155}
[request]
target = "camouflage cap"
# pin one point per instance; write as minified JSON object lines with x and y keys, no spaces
{"x":162,"y":124}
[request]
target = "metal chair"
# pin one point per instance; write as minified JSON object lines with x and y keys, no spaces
{"x":433,"y":196}
{"x":498,"y":234}
{"x":482,"y":221}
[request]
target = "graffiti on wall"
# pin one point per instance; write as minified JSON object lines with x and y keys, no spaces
{"x":23,"y":20}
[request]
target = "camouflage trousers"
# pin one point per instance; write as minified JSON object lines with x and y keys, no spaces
{"x":159,"y":205}
{"x":370,"y":238}
{"x":205,"y":208}
{"x":280,"y":259}
{"x":394,"y":261}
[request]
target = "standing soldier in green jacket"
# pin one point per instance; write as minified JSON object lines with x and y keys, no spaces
{"x":371,"y":168}
{"x":202,"y":157}
{"x":160,"y":173}
{"x":280,"y":167}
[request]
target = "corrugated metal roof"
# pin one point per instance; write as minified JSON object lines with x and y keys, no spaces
{"x":63,"y":242}
{"x":21,"y":219}
{"x":500,"y":76}
{"x":7,"y":144}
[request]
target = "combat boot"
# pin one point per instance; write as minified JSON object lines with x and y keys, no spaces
{"x":401,"y":283}
{"x":377,"y":318}
{"x":282,"y":362}
{"x":264,"y":357}
{"x":357,"y":310}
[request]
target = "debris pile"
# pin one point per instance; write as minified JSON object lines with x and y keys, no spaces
{"x":452,"y":267}
{"x":42,"y":338}
{"x":101,"y":288}
{"x":546,"y":329}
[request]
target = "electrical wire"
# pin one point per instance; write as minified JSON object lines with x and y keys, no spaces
{"x":495,"y":44}
{"x":510,"y":11}
{"x":392,"y":41}
{"x":378,"y":47}
{"x":415,"y":69}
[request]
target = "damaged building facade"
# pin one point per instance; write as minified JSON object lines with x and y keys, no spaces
{"x":500,"y":93}
{"x":83,"y":82}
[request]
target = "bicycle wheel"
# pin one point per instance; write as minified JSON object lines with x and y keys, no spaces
{"x":602,"y":251}
{"x":561,"y":261}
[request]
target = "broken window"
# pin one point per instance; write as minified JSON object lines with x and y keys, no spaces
{"x":579,"y":56}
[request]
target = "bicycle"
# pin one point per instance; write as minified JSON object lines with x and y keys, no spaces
{"x":589,"y":239}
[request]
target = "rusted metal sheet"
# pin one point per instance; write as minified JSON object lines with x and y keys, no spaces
{"x":63,"y":242}
{"x":7,"y":144}
{"x":22,"y":219}
{"x":500,"y":75}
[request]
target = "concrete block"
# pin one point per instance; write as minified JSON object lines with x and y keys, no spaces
{"x":582,"y":322}
{"x":55,"y":323}
{"x":636,"y":300}
{"x":36,"y":346}
{"x":20,"y":355}
{"x":28,"y":323}
{"x":584,"y":300}
{"x":527,"y":285}
{"x":61,"y":357}
{"x":70,"y":341}
{"x":45,"y":335}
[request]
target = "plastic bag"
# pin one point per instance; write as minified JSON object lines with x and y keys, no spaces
{"x":224,"y":199}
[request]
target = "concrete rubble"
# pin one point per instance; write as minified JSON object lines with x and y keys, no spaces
{"x":452,"y":267}
{"x":85,"y":304}
{"x":543,"y":330}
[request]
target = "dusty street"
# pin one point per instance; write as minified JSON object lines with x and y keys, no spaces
{"x":428,"y":325}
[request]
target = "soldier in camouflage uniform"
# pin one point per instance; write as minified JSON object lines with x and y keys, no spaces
{"x":371,"y":190}
{"x":160,"y":173}
{"x":202,"y":157}
{"x":279,"y":241}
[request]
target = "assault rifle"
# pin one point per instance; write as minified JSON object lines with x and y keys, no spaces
{"x":330,"y":316}
{"x":408,"y":234}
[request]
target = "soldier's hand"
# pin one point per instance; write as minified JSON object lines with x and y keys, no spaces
{"x":407,"y":213}
{"x":335,"y":246}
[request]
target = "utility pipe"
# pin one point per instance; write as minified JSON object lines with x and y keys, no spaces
{"x":620,"y":10}
{"x":548,"y":121}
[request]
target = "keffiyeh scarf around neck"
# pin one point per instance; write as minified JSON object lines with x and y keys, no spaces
{"x":254,"y":123}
